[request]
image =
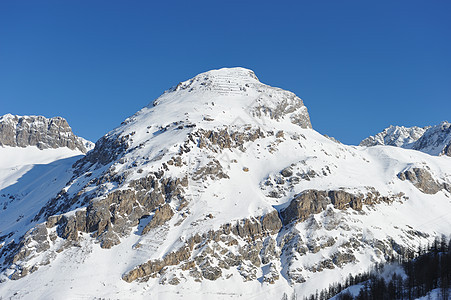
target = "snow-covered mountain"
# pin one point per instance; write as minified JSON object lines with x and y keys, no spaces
{"x":398,"y":136}
{"x":434,"y":140}
{"x":219,"y":189}
{"x":44,"y":133}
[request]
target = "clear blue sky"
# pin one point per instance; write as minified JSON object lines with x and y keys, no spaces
{"x":359,"y":66}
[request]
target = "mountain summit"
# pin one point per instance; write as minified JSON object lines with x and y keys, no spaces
{"x":229,"y":96}
{"x":221,"y":188}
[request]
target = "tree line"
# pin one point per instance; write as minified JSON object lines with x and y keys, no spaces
{"x":425,"y":269}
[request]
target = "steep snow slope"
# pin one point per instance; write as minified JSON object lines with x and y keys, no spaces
{"x":221,"y":189}
{"x":434,"y":140}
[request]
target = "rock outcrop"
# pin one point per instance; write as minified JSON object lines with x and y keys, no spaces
{"x":423,"y":180}
{"x":312,"y":202}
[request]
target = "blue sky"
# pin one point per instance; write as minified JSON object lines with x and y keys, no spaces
{"x":359,"y":66}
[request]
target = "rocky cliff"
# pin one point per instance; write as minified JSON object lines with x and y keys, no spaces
{"x":44,"y":133}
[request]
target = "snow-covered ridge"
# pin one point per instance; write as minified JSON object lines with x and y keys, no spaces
{"x":398,"y":136}
{"x":434,"y":140}
{"x":44,"y":133}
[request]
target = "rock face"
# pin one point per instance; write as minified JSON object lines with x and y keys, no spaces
{"x":23,"y":131}
{"x":423,"y":180}
{"x":209,"y":247}
{"x":313,"y":202}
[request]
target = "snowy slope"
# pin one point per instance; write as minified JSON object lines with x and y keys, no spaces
{"x":220,"y":189}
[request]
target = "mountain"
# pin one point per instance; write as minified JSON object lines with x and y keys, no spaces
{"x":220,"y":188}
{"x":23,"y":131}
{"x":434,"y":140}
{"x":398,"y":136}
{"x":36,"y":155}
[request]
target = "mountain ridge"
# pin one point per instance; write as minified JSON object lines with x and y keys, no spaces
{"x":434,"y":140}
{"x":39,"y":131}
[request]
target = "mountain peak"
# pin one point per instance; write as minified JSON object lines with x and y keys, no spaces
{"x":224,"y":97}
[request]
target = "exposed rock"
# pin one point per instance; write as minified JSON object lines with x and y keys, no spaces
{"x":287,"y":172}
{"x":161,"y":216}
{"x":252,"y":230}
{"x":23,"y":131}
{"x":303,"y":205}
{"x":211,"y":273}
{"x":225,"y":138}
{"x":289,"y":106}
{"x":108,"y":148}
{"x":213,"y":170}
{"x":421,"y":179}
{"x":247,"y":272}
{"x":313,"y":201}
{"x":340,"y":258}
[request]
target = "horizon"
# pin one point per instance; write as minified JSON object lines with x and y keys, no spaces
{"x":358,"y":67}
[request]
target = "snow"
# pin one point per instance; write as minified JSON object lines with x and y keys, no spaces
{"x":434,"y":294}
{"x":211,"y":101}
{"x":17,"y":161}
{"x":29,"y":177}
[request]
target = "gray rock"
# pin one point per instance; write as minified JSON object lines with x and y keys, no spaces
{"x":287,"y":172}
{"x":162,"y":214}
{"x":312,"y":202}
{"x":23,"y":131}
{"x":421,"y":179}
{"x":211,"y":273}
